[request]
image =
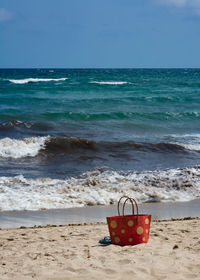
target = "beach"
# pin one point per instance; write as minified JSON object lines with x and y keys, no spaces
{"x":99,"y":140}
{"x":72,"y":142}
{"x":73,"y":252}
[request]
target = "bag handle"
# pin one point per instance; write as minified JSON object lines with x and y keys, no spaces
{"x":131,"y":200}
{"x":119,"y":204}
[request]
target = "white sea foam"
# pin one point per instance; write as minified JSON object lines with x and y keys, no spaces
{"x":15,"y":148}
{"x":193,"y":135}
{"x":99,"y":188}
{"x":193,"y":147}
{"x":188,"y":141}
{"x":35,"y":80}
{"x":108,"y":82}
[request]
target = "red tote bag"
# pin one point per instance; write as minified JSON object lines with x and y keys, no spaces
{"x":129,"y":229}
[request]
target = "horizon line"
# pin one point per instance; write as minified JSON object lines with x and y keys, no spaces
{"x":91,"y":68}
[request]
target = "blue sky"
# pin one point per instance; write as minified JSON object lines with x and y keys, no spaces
{"x":99,"y":33}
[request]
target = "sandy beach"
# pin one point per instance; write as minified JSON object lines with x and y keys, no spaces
{"x":99,"y":117}
{"x":73,"y":252}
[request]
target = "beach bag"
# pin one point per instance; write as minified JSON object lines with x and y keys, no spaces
{"x":129,"y":229}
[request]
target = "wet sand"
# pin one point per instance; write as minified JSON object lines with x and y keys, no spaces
{"x":73,"y":252}
{"x":92,"y":214}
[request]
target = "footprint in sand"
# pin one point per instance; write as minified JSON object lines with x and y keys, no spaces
{"x":124,"y":262}
{"x":69,"y":268}
{"x":109,"y":271}
{"x":33,"y":256}
{"x":102,"y":259}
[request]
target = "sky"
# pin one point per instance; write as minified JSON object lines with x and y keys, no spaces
{"x":100,"y":33}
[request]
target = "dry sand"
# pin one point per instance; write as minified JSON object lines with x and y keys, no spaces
{"x":73,"y":252}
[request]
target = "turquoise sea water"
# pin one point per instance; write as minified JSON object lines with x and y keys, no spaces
{"x":60,"y":123}
{"x":90,"y":103}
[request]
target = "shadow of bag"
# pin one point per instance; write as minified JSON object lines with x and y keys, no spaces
{"x":129,"y":229}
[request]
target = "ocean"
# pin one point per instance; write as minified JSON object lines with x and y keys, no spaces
{"x":77,"y":137}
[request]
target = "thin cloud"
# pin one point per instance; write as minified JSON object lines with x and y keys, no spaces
{"x":176,"y":3}
{"x":5,"y":15}
{"x":193,"y":5}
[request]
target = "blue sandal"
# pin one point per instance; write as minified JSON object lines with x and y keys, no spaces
{"x":105,"y":241}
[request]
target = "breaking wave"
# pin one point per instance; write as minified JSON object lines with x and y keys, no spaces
{"x":18,"y":148}
{"x":24,"y":125}
{"x":99,"y":187}
{"x":34,"y":80}
{"x":14,"y":124}
{"x":30,"y":147}
{"x":108,"y":82}
{"x":188,"y":141}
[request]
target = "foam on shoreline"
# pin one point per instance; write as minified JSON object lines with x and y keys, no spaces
{"x":99,"y":188}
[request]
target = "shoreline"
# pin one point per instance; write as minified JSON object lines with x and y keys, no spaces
{"x":73,"y":252}
{"x":94,"y":214}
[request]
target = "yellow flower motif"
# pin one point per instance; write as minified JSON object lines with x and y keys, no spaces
{"x":117,"y":239}
{"x":140,"y":230}
{"x":146,"y":221}
{"x":130,"y":223}
{"x":113,"y":224}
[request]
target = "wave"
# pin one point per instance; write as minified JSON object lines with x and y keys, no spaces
{"x":192,"y":147}
{"x":89,"y":116}
{"x":74,"y":144}
{"x":30,"y":147}
{"x":189,"y":141}
{"x":99,"y":187}
{"x":35,"y":80}
{"x":19,"y":148}
{"x":165,"y":116}
{"x":25,"y":125}
{"x":109,"y":82}
{"x":14,"y":124}
{"x":116,"y":115}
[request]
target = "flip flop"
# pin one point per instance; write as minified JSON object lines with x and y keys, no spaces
{"x":105,"y":241}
